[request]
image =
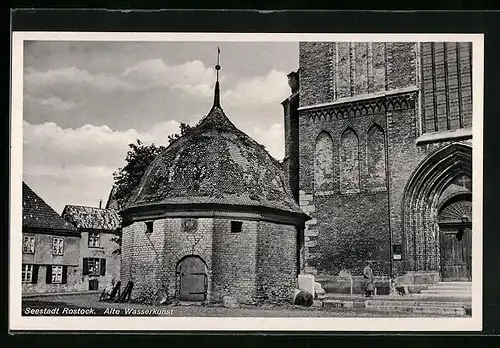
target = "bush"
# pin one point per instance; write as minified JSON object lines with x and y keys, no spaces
{"x":304,"y":298}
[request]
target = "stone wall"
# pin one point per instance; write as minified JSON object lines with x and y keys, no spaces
{"x":446,"y":86}
{"x":334,"y":70}
{"x":276,"y":261}
{"x":234,"y":261}
{"x":378,"y":108}
{"x":150,"y":259}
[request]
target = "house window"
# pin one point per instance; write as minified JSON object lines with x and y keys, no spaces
{"x":94,"y":240}
{"x":57,"y":272}
{"x":29,"y":245}
{"x":27,"y":273}
{"x":236,"y":226}
{"x":94,"y":266}
{"x":57,"y":246}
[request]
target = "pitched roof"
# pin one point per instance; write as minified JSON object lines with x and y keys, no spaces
{"x":38,"y":214}
{"x":215,"y":163}
{"x":112,"y":202}
{"x":92,"y":217}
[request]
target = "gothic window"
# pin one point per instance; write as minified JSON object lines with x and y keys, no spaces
{"x":376,"y":162}
{"x":323,"y":162}
{"x":349,"y":162}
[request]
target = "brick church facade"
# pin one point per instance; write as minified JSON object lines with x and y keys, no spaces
{"x":378,"y":151}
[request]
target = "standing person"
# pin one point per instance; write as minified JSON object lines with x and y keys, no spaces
{"x":369,"y":281}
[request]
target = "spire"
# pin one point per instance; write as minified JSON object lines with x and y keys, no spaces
{"x":217,"y":90}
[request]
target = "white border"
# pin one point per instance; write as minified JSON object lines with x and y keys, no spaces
{"x":17,"y":322}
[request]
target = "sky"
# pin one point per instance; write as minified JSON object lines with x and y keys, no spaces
{"x":84,"y":102}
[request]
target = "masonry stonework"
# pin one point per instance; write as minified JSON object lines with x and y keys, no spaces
{"x":392,"y":109}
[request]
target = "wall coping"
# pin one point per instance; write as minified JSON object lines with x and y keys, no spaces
{"x":361,"y":97}
{"x":463,"y":133}
{"x":235,"y":212}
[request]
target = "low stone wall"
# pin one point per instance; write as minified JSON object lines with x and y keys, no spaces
{"x":339,"y":285}
{"x":414,"y":282}
{"x":418,"y":278}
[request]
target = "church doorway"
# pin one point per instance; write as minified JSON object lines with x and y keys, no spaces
{"x":192,"y":275}
{"x":437,"y":219}
{"x":455,"y":225}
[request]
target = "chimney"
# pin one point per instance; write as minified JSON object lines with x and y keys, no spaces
{"x":100,"y":204}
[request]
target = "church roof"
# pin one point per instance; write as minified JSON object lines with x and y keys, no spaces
{"x":40,"y":216}
{"x":92,"y":218}
{"x":215,"y":163}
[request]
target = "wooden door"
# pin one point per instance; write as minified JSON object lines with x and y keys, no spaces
{"x":456,"y":253}
{"x":193,"y":279}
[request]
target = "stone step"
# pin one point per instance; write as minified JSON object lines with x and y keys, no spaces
{"x":454,"y":285}
{"x":445,"y":293}
{"x":448,"y":288}
{"x":413,"y":303}
{"x":419,"y":309}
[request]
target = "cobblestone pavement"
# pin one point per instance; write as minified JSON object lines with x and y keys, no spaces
{"x":74,"y":302}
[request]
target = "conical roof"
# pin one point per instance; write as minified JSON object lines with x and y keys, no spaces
{"x":215,"y":163}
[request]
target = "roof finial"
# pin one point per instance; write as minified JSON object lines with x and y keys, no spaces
{"x":217,"y":91}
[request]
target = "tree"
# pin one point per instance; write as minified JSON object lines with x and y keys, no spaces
{"x":138,"y":158}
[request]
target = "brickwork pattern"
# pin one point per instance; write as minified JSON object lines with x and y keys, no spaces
{"x":446,"y":86}
{"x":349,"y":162}
{"x":375,"y":157}
{"x":276,"y":261}
{"x":234,"y":261}
{"x":373,"y":217}
{"x":336,"y":70}
{"x":323,"y":162}
{"x":315,"y":72}
{"x":150,"y":260}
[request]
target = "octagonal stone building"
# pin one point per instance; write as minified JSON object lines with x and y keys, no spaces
{"x":213,"y":216}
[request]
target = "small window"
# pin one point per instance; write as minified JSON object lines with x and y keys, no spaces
{"x":29,"y":244}
{"x":57,"y":246}
{"x":93,"y":284}
{"x":27,"y":273}
{"x":94,"y":266}
{"x":149,"y":227}
{"x":236,"y":226}
{"x":94,"y":240}
{"x":57,"y":272}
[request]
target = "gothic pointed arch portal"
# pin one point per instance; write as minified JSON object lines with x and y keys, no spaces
{"x":439,"y":177}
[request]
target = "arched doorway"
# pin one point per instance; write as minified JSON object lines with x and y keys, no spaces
{"x":193,"y":280}
{"x":438,"y":177}
{"x":455,"y":225}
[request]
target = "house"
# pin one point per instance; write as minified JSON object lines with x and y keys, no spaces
{"x":99,"y":256}
{"x":50,"y":251}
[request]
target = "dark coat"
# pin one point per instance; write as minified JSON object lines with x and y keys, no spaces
{"x":369,"y":281}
